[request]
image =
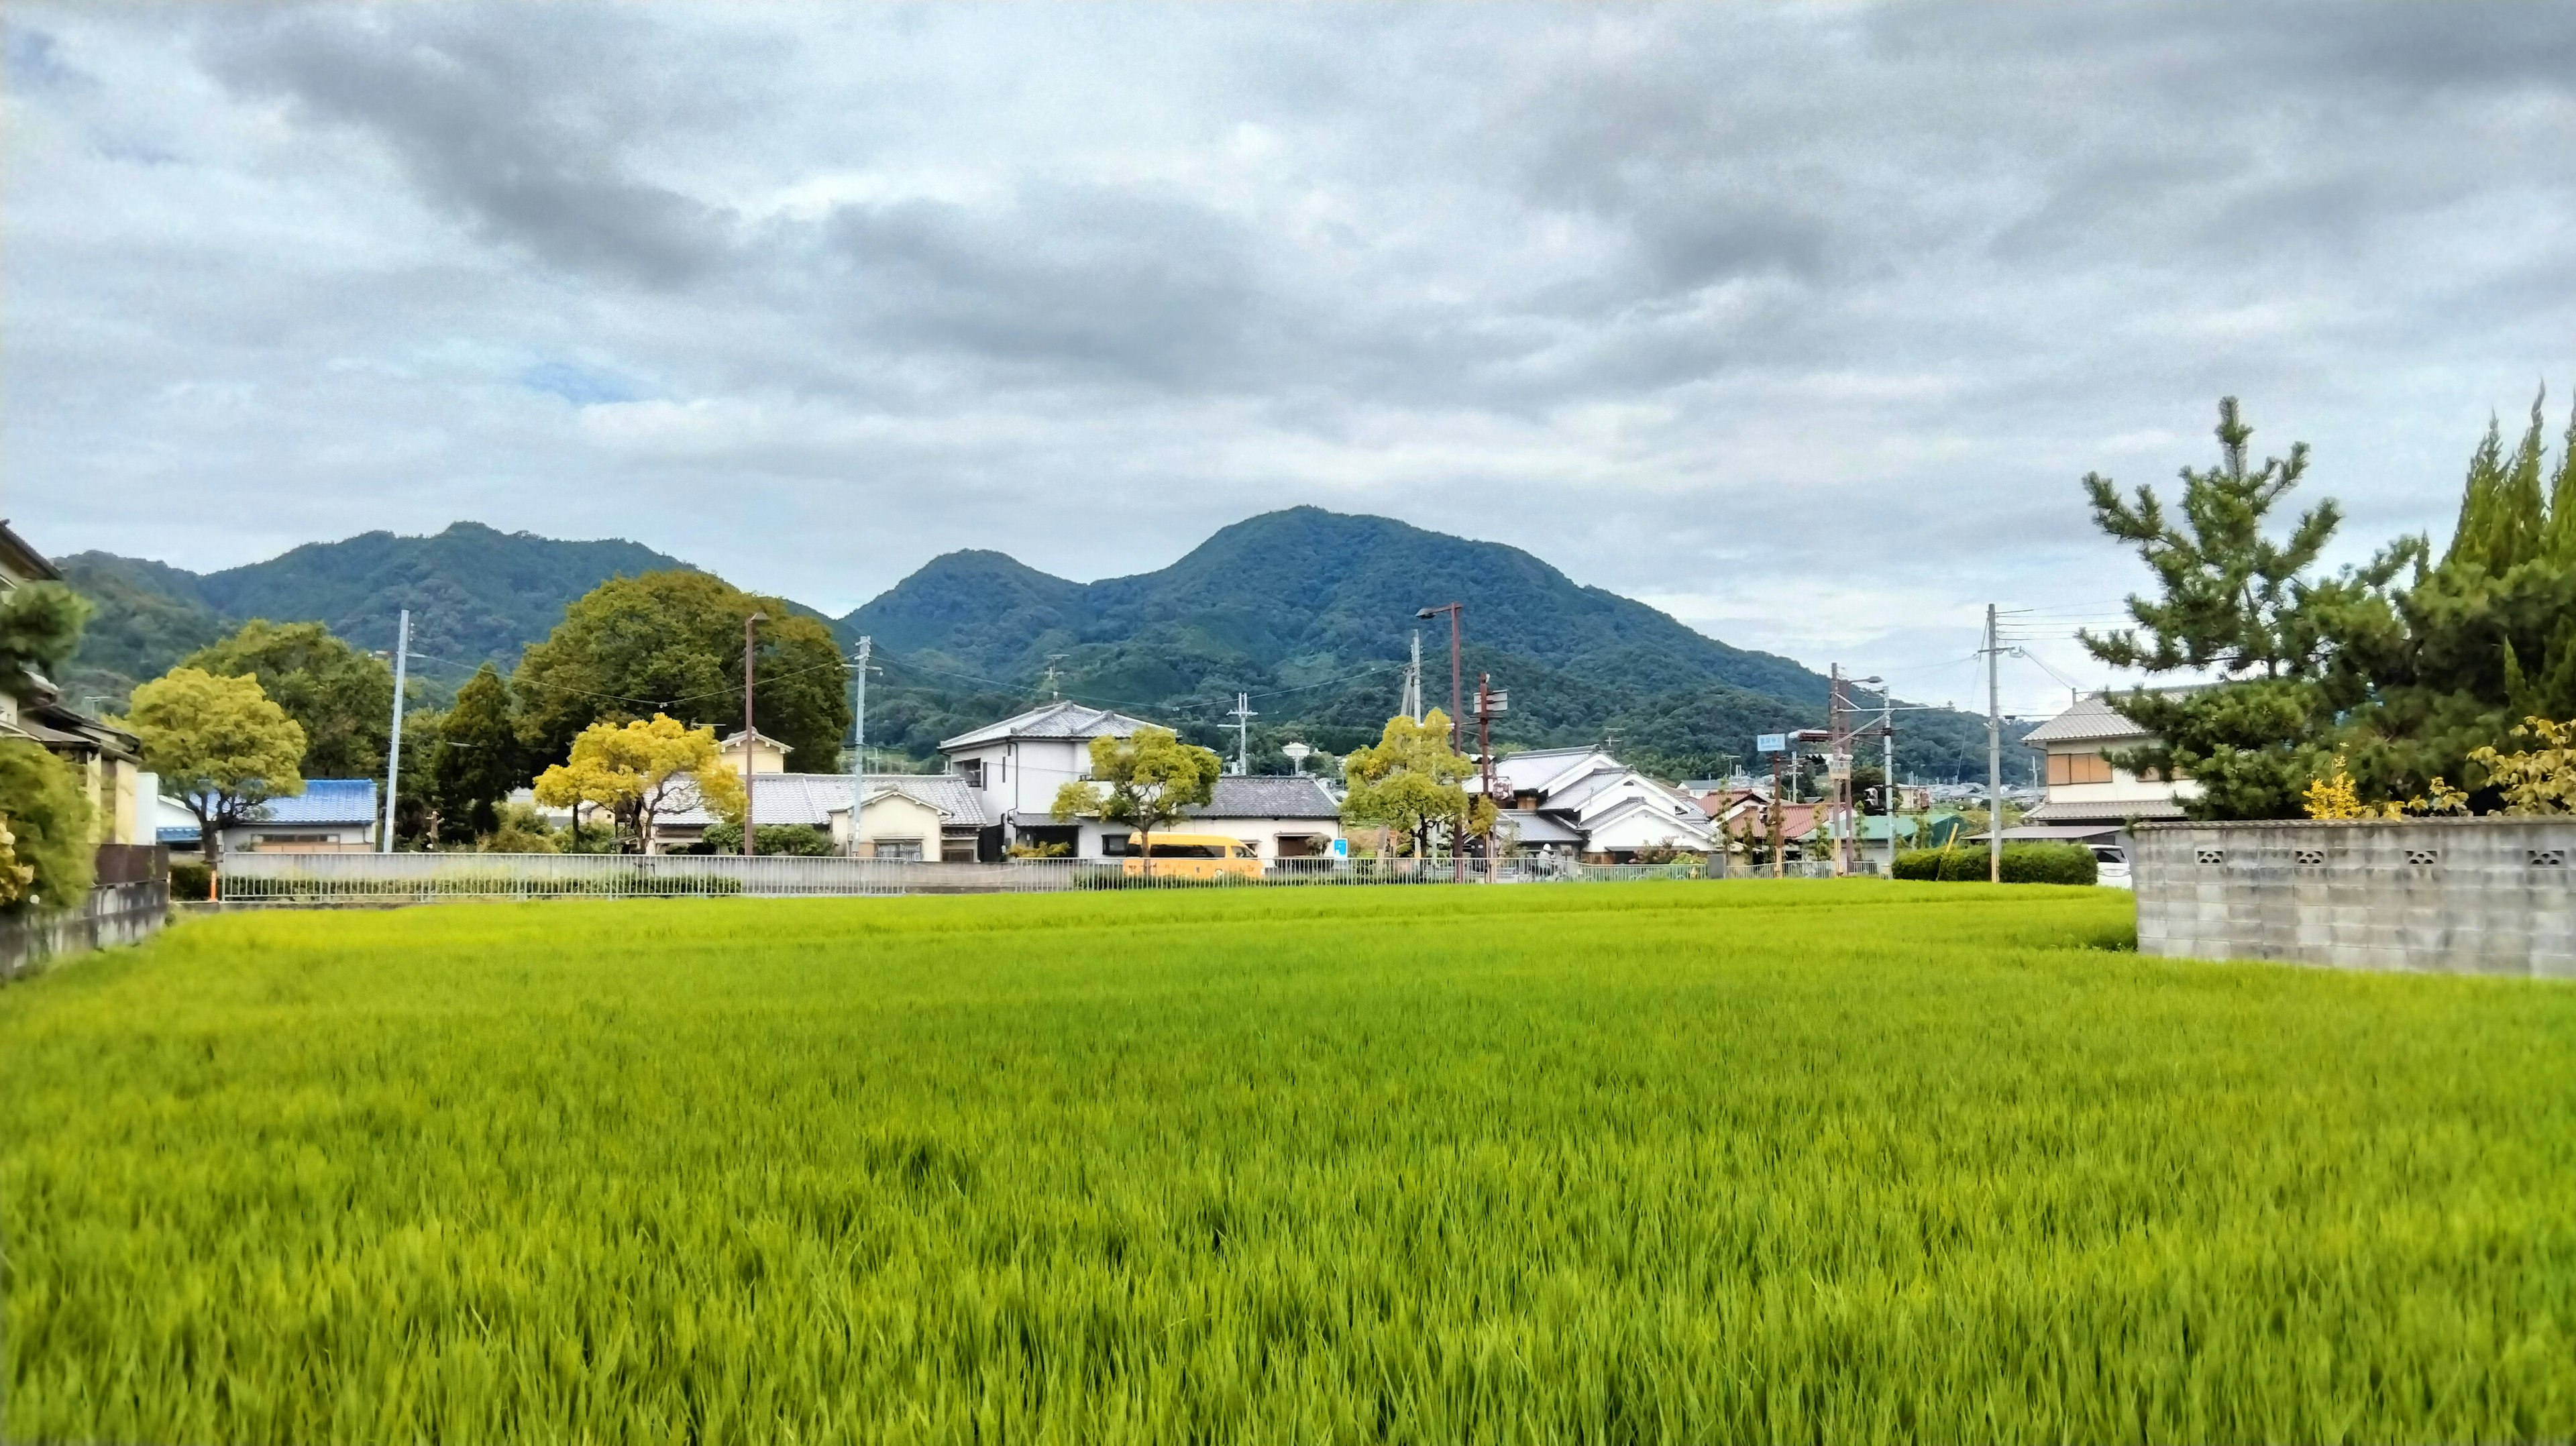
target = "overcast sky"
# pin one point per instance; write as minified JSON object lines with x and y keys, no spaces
{"x":1799,"y":323}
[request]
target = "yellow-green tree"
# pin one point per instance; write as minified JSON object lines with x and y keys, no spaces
{"x":2535,"y":780}
{"x":1150,"y":779}
{"x":640,"y":771}
{"x":221,"y":747}
{"x":52,"y":828}
{"x":1411,"y":782}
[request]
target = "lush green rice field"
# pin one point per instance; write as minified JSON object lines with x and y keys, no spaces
{"x":1692,"y":1162}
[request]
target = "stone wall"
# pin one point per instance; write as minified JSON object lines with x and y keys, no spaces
{"x":2453,"y":896}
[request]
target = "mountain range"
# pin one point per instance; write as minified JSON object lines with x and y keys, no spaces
{"x":1308,"y":612}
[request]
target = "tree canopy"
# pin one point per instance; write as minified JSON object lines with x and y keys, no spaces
{"x":1144,"y":782}
{"x":52,"y":830}
{"x":342,"y":698}
{"x":221,"y":746}
{"x":40,"y":629}
{"x":670,"y":644}
{"x":640,"y":771}
{"x":476,"y":758}
{"x":1411,"y":782}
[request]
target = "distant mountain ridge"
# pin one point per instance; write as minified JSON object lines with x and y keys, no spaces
{"x":1311,"y":612}
{"x":475,"y":593}
{"x":1307,"y":610}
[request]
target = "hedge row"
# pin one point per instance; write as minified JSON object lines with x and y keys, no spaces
{"x":2024,"y":863}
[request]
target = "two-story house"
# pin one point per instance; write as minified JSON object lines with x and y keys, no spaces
{"x":2088,"y":799}
{"x":1016,"y":767}
{"x":1587,"y":802}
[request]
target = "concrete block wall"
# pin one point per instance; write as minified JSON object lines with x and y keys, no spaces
{"x":2451,"y":896}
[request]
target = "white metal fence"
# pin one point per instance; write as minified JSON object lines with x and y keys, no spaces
{"x":288,"y":878}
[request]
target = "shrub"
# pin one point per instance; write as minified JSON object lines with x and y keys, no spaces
{"x":802,"y":839}
{"x":49,"y":816}
{"x":191,"y":880}
{"x":2024,"y":863}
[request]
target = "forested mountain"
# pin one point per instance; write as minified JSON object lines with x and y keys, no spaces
{"x":1312,"y":611}
{"x":475,"y":593}
{"x":1309,"y":611}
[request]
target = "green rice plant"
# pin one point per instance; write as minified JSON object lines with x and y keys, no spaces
{"x":1851,"y":1160}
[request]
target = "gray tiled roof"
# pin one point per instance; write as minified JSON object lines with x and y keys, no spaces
{"x":810,"y":798}
{"x":2088,"y":720}
{"x":1053,"y":720}
{"x":1268,"y":798}
{"x":2118,"y":812}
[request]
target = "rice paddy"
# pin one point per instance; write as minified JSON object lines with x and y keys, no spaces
{"x":1677,"y":1162}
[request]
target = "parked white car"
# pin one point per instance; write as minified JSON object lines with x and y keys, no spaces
{"x":2112,"y":864}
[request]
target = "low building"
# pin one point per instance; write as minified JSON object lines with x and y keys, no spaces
{"x":2088,"y":799}
{"x":1585,"y":801}
{"x":928,"y":816}
{"x":331,"y":816}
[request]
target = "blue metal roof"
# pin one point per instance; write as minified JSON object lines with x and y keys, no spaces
{"x":325,"y":801}
{"x":177,"y":833}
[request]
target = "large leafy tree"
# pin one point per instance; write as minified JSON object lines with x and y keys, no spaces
{"x":342,"y":698}
{"x":1145,"y":782}
{"x":640,"y":771}
{"x":670,"y":643}
{"x":1413,"y":783}
{"x":476,"y":759}
{"x":2237,"y":602}
{"x":221,"y":746}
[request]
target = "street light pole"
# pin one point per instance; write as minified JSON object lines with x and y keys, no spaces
{"x":753,"y":621}
{"x":393,"y":756}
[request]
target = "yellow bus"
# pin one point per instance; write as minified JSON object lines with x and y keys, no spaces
{"x":1194,"y":856}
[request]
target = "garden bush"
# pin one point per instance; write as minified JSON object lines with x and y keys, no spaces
{"x":50,"y":817}
{"x":2024,"y":863}
{"x":191,"y":880}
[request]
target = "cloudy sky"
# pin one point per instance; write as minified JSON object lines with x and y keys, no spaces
{"x":1800,"y":323}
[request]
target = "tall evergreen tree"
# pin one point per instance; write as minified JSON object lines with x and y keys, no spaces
{"x":2238,"y":603}
{"x":477,"y":759}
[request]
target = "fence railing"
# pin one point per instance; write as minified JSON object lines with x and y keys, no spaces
{"x":360,"y":879}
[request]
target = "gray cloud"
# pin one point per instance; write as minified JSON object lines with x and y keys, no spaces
{"x":477,"y":111}
{"x":1804,"y":320}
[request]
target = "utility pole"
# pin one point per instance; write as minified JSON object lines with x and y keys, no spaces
{"x":747,"y":735}
{"x":1488,"y":703}
{"x":1779,"y":869}
{"x":1413,"y":681}
{"x":859,"y":723}
{"x":1994,"y":753}
{"x":1243,"y":716}
{"x":1887,"y":772}
{"x":1457,"y":728}
{"x":393,"y":756}
{"x":1838,"y":772}
{"x":1054,"y":693}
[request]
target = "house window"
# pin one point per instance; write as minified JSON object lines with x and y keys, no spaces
{"x":972,"y":770}
{"x":1299,"y":845}
{"x":957,"y":848}
{"x":899,"y":848}
{"x":2068,"y":768}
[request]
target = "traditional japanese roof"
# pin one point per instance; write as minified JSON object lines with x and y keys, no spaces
{"x":1532,"y":827}
{"x":1272,"y":797}
{"x":812,"y":799}
{"x":20,"y":556}
{"x":1060,"y":720}
{"x":2117,"y":811}
{"x":2091,"y":719}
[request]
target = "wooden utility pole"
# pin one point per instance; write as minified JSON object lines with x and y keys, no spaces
{"x":748,"y":736}
{"x":1457,"y":726}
